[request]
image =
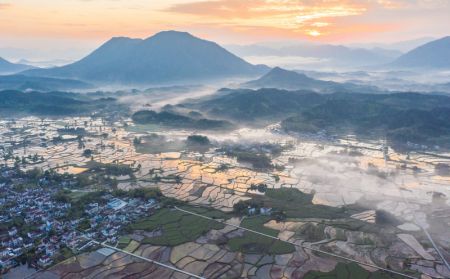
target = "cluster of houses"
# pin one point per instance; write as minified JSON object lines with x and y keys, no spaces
{"x":105,"y":221}
{"x":34,"y":221}
{"x":33,"y":214}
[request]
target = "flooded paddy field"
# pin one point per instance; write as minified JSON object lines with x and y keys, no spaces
{"x":229,"y":252}
{"x":339,"y":174}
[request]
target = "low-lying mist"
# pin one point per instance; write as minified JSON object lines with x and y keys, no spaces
{"x":340,"y":180}
{"x":156,"y":98}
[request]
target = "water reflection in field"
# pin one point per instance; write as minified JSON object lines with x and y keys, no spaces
{"x":339,"y":172}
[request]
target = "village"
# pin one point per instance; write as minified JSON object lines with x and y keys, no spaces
{"x":43,"y":232}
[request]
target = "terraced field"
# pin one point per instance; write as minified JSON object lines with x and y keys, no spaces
{"x":329,"y":201}
{"x":212,"y":249}
{"x":173,"y":227}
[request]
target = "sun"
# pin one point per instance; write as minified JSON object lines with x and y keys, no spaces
{"x":314,"y":33}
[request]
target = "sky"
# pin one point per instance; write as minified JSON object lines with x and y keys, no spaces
{"x":77,"y":26}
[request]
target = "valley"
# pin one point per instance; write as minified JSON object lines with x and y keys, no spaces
{"x":263,"y":139}
{"x":364,"y":180}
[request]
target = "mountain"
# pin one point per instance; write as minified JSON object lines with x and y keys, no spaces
{"x":290,"y":80}
{"x":400,"y":117}
{"x":435,"y":54}
{"x":15,"y":103}
{"x":27,"y":83}
{"x":247,"y":105}
{"x":46,"y":63}
{"x":173,"y":120}
{"x":402,"y":46}
{"x":7,"y":67}
{"x":165,"y":57}
{"x":251,"y":106}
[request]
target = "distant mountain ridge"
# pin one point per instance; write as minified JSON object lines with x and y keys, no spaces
{"x":336,"y":55}
{"x":399,"y":117}
{"x":167,"y":56}
{"x":400,"y":46}
{"x":7,"y":67}
{"x":291,"y":80}
{"x":435,"y":54}
{"x":29,"y":83}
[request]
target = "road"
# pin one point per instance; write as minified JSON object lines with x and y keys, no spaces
{"x":145,"y":259}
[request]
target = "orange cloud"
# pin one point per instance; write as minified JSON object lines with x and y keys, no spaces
{"x":388,"y":4}
{"x":230,"y":9}
{"x":307,"y":16}
{"x":223,"y":20}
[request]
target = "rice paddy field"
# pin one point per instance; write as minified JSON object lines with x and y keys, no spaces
{"x":330,"y":200}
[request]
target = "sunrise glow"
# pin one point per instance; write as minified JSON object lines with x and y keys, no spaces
{"x":314,"y":33}
{"x":231,"y":21}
